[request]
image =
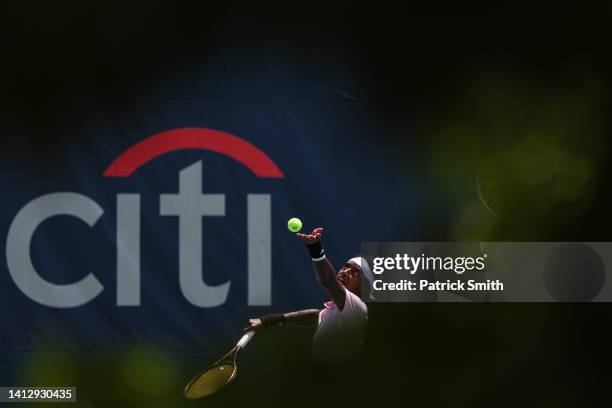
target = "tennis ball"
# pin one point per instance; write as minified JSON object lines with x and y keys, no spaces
{"x":294,"y":225}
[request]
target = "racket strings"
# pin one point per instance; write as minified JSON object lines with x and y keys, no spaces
{"x":211,"y":380}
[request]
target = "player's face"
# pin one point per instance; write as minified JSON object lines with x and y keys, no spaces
{"x":350,"y":277}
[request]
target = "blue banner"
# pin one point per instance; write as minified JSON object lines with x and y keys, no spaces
{"x":169,"y":225}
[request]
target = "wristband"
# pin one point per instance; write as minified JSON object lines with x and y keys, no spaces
{"x":317,"y":253}
{"x":275,"y":319}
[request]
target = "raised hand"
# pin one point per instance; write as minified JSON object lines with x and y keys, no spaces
{"x":313,"y":237}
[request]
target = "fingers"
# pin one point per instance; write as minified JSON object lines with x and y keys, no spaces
{"x":316,"y":233}
{"x":313,"y":237}
{"x":248,"y":327}
{"x":254,"y":324}
{"x":309,"y":239}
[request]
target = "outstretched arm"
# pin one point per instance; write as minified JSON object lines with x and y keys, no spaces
{"x":308,"y":317}
{"x":324,"y":271}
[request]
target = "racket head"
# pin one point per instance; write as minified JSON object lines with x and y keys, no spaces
{"x":211,"y":380}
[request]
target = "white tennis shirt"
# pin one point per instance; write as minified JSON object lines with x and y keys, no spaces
{"x":339,"y":334}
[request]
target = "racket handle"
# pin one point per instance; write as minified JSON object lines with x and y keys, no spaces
{"x":244,"y":340}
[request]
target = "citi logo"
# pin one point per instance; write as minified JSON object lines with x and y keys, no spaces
{"x":188,"y":207}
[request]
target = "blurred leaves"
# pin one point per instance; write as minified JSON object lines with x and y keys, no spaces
{"x":530,"y":151}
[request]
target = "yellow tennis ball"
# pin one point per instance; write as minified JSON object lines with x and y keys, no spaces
{"x":294,"y":225}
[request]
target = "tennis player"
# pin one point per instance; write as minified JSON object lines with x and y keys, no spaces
{"x":341,"y":323}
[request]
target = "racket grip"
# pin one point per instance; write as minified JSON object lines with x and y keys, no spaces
{"x":244,"y":340}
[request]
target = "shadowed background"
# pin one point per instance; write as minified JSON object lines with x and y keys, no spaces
{"x":390,"y":125}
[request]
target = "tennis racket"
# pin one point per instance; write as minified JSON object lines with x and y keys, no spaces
{"x":219,"y":374}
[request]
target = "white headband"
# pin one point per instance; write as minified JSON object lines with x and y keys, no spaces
{"x":365,"y":268}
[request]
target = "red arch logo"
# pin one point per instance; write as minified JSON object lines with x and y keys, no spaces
{"x":193,"y":138}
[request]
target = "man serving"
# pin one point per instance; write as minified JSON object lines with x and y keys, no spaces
{"x":341,"y":324}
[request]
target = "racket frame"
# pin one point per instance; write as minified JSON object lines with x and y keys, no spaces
{"x":227,"y":358}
